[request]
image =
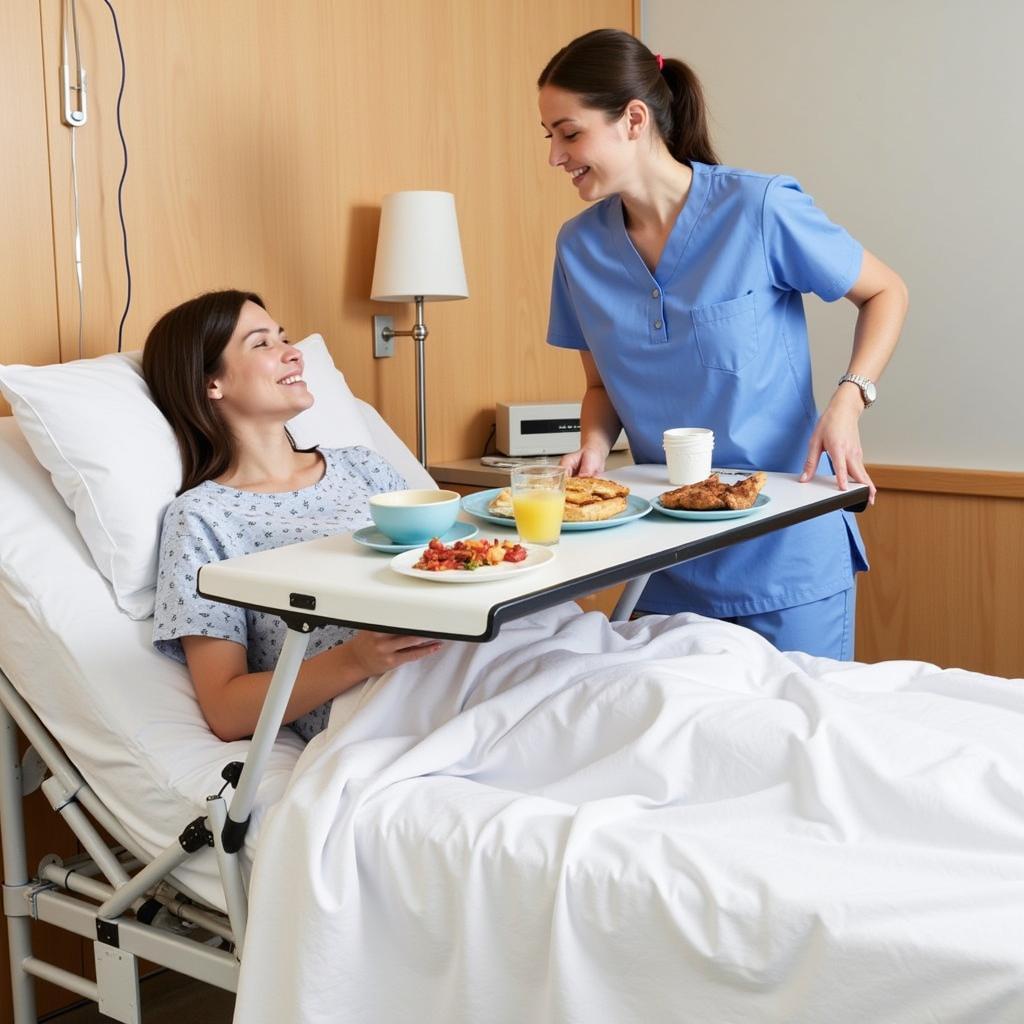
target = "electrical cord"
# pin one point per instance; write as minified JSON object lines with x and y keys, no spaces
{"x":78,"y":242}
{"x":124,"y":174}
{"x":490,"y":436}
{"x":71,"y":11}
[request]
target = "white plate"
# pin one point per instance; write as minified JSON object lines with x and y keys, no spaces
{"x":537,"y":556}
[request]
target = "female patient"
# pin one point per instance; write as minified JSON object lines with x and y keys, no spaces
{"x":227,"y":378}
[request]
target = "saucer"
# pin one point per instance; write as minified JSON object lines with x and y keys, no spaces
{"x":371,"y":537}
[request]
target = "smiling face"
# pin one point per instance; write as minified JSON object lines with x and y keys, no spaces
{"x":598,"y":154}
{"x":260,"y":372}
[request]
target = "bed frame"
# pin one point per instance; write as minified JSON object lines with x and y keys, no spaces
{"x":109,"y":894}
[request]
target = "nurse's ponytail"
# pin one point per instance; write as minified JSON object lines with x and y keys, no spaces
{"x":607,"y":68}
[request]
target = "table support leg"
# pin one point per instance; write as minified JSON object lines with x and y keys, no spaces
{"x":271,"y":718}
{"x":630,"y":595}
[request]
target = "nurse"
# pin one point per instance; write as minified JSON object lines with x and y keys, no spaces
{"x":681,"y":287}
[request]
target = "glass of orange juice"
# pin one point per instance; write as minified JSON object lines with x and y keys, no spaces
{"x":538,"y":500}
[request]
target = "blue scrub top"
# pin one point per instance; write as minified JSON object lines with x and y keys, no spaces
{"x":716,"y":337}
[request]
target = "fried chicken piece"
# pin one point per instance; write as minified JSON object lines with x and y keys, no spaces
{"x":744,"y":493}
{"x":712,"y":495}
{"x":704,"y":496}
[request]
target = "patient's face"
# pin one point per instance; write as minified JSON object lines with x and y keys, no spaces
{"x":260,"y":376}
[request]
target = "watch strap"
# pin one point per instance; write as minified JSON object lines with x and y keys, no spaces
{"x":863,"y":383}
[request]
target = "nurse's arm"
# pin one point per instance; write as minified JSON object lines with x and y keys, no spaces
{"x":881,"y":299}
{"x":599,"y":425}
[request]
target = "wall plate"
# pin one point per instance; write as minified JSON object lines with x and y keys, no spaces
{"x":383,"y":347}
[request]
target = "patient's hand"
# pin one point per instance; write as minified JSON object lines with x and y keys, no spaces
{"x":375,"y":653}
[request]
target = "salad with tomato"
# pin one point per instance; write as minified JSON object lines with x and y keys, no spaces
{"x":468,"y":555}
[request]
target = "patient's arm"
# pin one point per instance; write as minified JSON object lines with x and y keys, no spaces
{"x":231,"y":696}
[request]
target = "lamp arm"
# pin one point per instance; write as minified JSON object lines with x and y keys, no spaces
{"x":418,"y":331}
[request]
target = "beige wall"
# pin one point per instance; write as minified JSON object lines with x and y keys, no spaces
{"x":903,"y":121}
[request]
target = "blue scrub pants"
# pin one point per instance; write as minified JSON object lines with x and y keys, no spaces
{"x":823,"y":628}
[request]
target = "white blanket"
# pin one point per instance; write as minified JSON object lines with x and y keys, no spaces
{"x":665,"y":820}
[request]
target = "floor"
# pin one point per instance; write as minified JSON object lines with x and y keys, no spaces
{"x":167,"y":998}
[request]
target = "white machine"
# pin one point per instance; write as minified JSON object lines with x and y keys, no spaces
{"x":541,"y":428}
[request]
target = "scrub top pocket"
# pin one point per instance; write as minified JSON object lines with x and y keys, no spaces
{"x":726,"y":333}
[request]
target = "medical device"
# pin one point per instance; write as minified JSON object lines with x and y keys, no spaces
{"x":541,"y":428}
{"x":74,"y":114}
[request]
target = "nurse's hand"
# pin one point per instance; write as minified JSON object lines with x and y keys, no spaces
{"x":585,"y":462}
{"x":838,"y":434}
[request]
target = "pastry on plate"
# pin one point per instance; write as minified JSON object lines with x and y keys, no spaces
{"x":711,"y":495}
{"x":590,"y":498}
{"x":501,"y":504}
{"x":587,"y":500}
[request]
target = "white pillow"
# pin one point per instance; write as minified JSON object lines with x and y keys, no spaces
{"x":113,"y":457}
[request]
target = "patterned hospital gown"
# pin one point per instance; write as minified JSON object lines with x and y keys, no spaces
{"x":212,"y":522}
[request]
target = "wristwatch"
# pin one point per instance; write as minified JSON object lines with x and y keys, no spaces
{"x":868,"y":391}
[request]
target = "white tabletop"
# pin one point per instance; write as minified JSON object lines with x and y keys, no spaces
{"x":335,"y":579}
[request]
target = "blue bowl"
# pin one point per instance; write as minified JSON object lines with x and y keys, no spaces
{"x":413,"y":517}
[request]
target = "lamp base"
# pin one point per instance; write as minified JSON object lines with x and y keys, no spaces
{"x":383,"y":343}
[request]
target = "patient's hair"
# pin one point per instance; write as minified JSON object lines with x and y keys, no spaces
{"x":607,"y":68}
{"x":183,"y":351}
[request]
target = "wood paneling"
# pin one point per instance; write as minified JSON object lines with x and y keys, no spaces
{"x":937,"y":480}
{"x":27,"y":291}
{"x":947,"y":567}
{"x":262,"y":137}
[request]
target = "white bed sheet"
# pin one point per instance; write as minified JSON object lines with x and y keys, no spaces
{"x":124,"y":714}
{"x":689,"y":826}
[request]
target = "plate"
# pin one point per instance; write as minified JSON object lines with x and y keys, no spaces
{"x":476,"y":506}
{"x":371,"y":537}
{"x":537,"y":557}
{"x":720,"y":513}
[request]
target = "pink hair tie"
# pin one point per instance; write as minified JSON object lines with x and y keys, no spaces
{"x":661,"y":61}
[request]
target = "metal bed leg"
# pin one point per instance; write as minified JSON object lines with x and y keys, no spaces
{"x":630,"y":595}
{"x":12,"y":832}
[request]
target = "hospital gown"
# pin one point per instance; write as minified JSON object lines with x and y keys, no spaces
{"x":211,"y":522}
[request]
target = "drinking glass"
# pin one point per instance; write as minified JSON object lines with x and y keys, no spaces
{"x":538,"y":501}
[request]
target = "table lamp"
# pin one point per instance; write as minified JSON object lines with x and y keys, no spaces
{"x":419,"y":259}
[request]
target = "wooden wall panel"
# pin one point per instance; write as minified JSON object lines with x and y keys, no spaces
{"x":262,"y":137}
{"x":27,"y":293}
{"x":947,"y":570}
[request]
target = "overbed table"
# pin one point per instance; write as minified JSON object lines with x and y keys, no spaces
{"x":335,"y":580}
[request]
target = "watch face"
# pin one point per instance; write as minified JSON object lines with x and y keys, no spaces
{"x":869,"y":392}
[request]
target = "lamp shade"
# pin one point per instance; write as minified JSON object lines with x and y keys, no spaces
{"x":418,"y":250}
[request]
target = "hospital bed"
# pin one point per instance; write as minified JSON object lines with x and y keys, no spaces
{"x":126,"y":749}
{"x":119,"y":746}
